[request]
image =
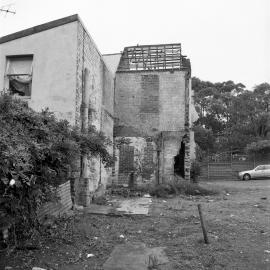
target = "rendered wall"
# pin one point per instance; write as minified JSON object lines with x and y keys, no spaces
{"x":54,"y":68}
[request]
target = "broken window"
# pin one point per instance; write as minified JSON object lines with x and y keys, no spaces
{"x":19,"y":75}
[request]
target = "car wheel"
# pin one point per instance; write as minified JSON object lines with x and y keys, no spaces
{"x":246,"y":177}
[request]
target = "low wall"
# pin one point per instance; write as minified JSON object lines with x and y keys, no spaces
{"x":61,"y":206}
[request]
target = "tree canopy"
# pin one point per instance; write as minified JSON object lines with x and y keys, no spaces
{"x":234,"y":116}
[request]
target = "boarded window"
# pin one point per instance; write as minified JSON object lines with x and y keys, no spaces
{"x":126,"y":159}
{"x":150,"y":94}
{"x":19,"y":75}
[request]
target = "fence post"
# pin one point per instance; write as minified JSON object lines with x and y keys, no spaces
{"x":207,"y":165}
{"x":231,"y":163}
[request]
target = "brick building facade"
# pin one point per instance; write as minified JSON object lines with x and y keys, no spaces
{"x":152,"y":108}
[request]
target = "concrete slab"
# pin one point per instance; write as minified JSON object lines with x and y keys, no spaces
{"x":99,"y":209}
{"x":135,"y":256}
{"x":135,"y":206}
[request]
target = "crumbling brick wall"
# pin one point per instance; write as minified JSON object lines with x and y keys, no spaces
{"x":149,"y":104}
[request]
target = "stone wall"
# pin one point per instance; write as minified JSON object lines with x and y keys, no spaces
{"x":100,"y":102}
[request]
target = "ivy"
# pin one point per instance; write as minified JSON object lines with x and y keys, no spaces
{"x":37,"y":152}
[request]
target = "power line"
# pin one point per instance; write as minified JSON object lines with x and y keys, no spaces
{"x":7,"y":9}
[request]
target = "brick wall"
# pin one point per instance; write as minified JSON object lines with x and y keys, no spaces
{"x":151,"y":101}
{"x":148,"y":168}
{"x":59,"y":207}
{"x":137,"y":160}
{"x":154,"y":102}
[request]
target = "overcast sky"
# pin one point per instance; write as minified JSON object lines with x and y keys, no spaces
{"x":224,"y":39}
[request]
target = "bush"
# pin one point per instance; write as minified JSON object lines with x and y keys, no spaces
{"x":37,"y":152}
{"x":180,"y":187}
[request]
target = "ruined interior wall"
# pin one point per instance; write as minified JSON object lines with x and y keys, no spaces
{"x":136,"y":159}
{"x":54,"y":68}
{"x":171,"y":143}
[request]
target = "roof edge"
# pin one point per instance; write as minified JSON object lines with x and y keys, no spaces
{"x":39,"y":28}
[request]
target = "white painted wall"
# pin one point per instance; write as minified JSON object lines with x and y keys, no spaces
{"x":54,"y":68}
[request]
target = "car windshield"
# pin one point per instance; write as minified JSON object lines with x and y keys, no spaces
{"x":259,"y":168}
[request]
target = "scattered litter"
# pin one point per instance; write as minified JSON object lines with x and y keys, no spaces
{"x":38,"y":268}
{"x":164,"y":201}
{"x":12,"y":182}
{"x":263,"y":198}
{"x":8,"y":268}
{"x":241,"y":252}
{"x":147,"y":196}
{"x":89,"y":255}
{"x":227,"y":194}
{"x":255,"y":205}
{"x":267,"y":251}
{"x":210,"y":200}
{"x":121,"y":236}
{"x":267,"y":260}
{"x":96,"y":238}
{"x":232,"y":215}
{"x":139,"y":231}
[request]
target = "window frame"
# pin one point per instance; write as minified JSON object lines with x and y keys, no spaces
{"x":7,"y":76}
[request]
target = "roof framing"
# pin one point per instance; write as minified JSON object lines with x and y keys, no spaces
{"x":151,"y":57}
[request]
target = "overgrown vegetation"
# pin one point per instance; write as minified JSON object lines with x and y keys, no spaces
{"x":180,"y":187}
{"x":37,"y":152}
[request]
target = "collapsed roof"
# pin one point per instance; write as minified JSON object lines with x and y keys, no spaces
{"x":153,"y":57}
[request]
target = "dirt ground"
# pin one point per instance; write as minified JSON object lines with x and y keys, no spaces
{"x":238,"y":225}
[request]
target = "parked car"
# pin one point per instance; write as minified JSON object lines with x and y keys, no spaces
{"x":261,"y":171}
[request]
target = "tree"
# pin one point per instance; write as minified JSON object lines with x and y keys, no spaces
{"x":235,"y":116}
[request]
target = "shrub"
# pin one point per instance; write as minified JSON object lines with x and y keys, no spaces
{"x":180,"y":187}
{"x":37,"y":151}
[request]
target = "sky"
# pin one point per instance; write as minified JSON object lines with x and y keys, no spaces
{"x":224,"y":39}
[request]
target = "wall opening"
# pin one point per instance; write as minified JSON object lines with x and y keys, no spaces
{"x":19,"y":75}
{"x":179,"y":161}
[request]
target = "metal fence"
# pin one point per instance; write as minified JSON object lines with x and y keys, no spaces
{"x":227,"y":165}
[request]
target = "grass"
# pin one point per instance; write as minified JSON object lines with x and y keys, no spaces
{"x":181,"y":187}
